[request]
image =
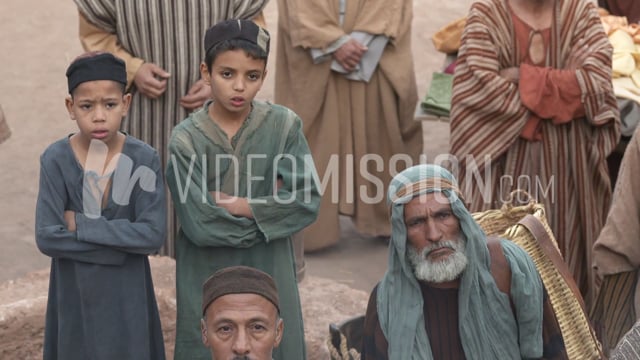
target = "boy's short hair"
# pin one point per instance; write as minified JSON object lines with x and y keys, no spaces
{"x":236,"y":34}
{"x":96,"y":66}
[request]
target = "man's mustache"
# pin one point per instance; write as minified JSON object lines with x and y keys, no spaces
{"x":441,"y":245}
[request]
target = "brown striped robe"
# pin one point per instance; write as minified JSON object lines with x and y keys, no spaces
{"x":567,"y":168}
{"x":168,"y":33}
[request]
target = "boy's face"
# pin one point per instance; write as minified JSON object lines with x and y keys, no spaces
{"x":235,"y":79}
{"x":98,"y":107}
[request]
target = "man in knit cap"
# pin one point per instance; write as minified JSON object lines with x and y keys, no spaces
{"x":241,"y":314}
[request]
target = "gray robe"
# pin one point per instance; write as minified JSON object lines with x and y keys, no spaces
{"x":101,"y":301}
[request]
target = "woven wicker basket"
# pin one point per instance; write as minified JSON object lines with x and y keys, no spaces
{"x":579,"y":338}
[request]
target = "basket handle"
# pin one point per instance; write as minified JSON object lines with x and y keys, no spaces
{"x":344,"y":353}
{"x":541,"y":235}
{"x":516,"y":198}
{"x":537,"y":229}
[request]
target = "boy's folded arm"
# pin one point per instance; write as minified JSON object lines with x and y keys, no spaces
{"x":52,"y":237}
{"x":204,"y":223}
{"x":209,"y":225}
{"x":145,"y":234}
{"x":296,"y":203}
{"x":277,"y":220}
{"x":57,"y":242}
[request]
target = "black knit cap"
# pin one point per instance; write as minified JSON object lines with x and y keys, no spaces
{"x":236,"y":29}
{"x":101,"y":66}
{"x":239,"y":280}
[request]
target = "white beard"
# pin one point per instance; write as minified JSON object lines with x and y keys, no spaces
{"x":441,"y":270}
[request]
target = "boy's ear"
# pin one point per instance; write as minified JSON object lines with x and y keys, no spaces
{"x":68,"y":103}
{"x":126,"y":102}
{"x":204,"y":73}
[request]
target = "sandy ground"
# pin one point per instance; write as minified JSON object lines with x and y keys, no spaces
{"x":38,"y":39}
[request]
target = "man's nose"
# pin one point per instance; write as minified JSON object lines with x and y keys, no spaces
{"x":241,"y":343}
{"x":432,"y":231}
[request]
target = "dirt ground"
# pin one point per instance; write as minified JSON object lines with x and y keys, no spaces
{"x":38,"y":39}
{"x":23,"y":305}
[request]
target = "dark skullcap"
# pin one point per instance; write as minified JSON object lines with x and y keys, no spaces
{"x":239,"y":280}
{"x":236,"y":29}
{"x":99,"y":66}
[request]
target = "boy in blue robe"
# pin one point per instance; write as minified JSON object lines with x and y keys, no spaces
{"x":100,"y":212}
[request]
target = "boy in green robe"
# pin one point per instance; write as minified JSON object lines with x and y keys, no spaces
{"x":243,"y":181}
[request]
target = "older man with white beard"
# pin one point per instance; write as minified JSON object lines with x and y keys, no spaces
{"x":438,"y":298}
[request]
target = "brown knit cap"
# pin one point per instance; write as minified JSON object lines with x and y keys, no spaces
{"x":239,"y":280}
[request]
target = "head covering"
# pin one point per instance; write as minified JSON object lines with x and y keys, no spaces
{"x":239,"y":280}
{"x":236,"y":29}
{"x":488,"y":329}
{"x":90,"y":67}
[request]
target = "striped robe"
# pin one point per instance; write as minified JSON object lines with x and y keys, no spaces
{"x":168,"y":33}
{"x":567,"y":169}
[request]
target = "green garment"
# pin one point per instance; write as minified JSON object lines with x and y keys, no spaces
{"x":488,"y":328}
{"x":210,"y":238}
{"x":438,"y":98}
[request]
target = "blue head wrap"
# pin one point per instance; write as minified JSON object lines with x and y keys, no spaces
{"x":487,"y":325}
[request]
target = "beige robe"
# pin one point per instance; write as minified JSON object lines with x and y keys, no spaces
{"x":346,"y":120}
{"x":617,"y":249}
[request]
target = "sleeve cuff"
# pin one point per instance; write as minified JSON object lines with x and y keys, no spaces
{"x":322,"y":55}
{"x":133,"y":65}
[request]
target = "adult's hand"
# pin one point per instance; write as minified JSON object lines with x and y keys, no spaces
{"x":349,"y":54}
{"x":151,"y":80}
{"x":511,"y":74}
{"x":196,"y":96}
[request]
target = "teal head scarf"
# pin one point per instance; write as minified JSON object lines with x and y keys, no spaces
{"x":488,"y":327}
